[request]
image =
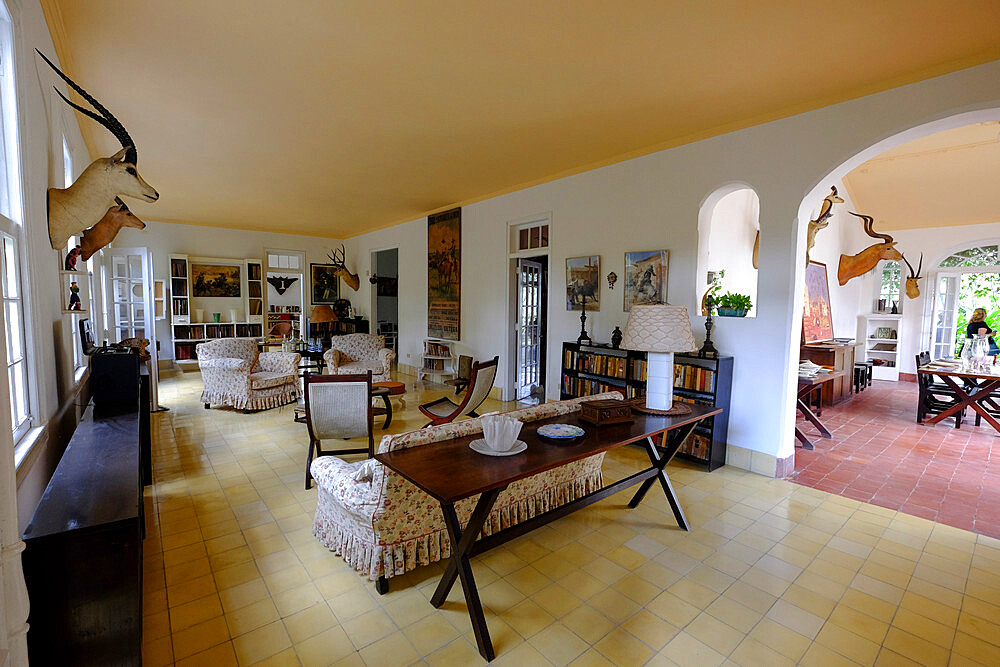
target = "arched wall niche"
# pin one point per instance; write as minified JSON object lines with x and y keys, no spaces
{"x":728,"y":225}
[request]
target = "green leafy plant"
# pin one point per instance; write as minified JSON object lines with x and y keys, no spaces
{"x":735,"y":301}
{"x":717,"y":285}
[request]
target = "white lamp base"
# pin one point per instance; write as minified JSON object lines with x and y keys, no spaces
{"x":660,"y":386}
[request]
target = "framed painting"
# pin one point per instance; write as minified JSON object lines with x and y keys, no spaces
{"x":215,"y":280}
{"x":444,"y":274}
{"x":325,"y":283}
{"x":817,"y":317}
{"x":646,"y":277}
{"x":583,"y":282}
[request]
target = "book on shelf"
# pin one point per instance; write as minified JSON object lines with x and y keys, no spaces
{"x":184,"y":351}
{"x":253,"y":271}
{"x":588,"y":387}
{"x":178,"y":268}
{"x":434,"y":365}
{"x":598,"y":364}
{"x":254,"y":290}
{"x":256,"y":307}
{"x":694,"y":378}
{"x":437,"y":350}
{"x":180,"y":306}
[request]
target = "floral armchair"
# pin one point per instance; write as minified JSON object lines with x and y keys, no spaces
{"x":235,"y":375}
{"x":384,"y":526}
{"x":358,"y":354}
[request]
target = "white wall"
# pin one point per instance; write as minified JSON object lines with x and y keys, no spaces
{"x":164,"y":239}
{"x":654,"y":202}
{"x":732,"y":229}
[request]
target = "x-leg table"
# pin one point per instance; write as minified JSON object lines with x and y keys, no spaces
{"x":985,"y":386}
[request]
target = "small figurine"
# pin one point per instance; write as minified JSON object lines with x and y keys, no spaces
{"x":74,"y":297}
{"x":71,"y":258}
{"x":612,"y":279}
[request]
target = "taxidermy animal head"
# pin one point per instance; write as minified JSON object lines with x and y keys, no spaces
{"x":281,"y":283}
{"x":852,"y":266}
{"x":822,"y":220}
{"x":105,"y":231}
{"x":83,"y":204}
{"x":912,"y":288}
{"x":337,"y":258}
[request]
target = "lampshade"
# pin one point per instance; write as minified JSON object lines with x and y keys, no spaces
{"x":322,"y":314}
{"x":659,"y":328}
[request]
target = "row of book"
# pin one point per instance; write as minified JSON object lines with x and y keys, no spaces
{"x":271,"y":308}
{"x":587,"y":387}
{"x":437,"y":350}
{"x":695,"y":378}
{"x":178,"y":268}
{"x":600,"y":364}
{"x":184,"y":351}
{"x":697,"y":445}
{"x":434,"y":364}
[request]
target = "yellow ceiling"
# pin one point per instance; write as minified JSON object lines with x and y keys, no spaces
{"x":334,"y":118}
{"x":946,"y":179}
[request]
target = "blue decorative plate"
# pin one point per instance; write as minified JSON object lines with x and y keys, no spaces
{"x":560,"y":431}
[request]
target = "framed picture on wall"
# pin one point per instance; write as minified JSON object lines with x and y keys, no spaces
{"x":646,"y":277}
{"x":215,"y":280}
{"x":817,"y":317}
{"x":324,"y":283}
{"x":583,"y":282}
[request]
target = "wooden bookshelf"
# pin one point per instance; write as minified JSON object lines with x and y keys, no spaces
{"x":594,"y":369}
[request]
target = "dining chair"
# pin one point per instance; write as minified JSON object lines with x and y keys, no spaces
{"x":444,"y":410}
{"x":338,"y":407}
{"x":933,"y":397}
{"x":464,"y":373}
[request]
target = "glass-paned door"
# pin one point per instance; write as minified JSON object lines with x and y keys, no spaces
{"x":529,"y":314}
{"x":129,"y":302}
{"x":945,"y":315}
{"x":17,"y":365}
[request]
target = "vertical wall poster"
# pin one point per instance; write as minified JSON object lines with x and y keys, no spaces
{"x":444,"y":274}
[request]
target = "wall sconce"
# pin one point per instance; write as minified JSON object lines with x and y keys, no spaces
{"x":612,"y":279}
{"x":373,"y":279}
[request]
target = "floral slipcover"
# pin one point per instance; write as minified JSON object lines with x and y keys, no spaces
{"x":229,"y":379}
{"x":386,"y":526}
{"x":360,"y":353}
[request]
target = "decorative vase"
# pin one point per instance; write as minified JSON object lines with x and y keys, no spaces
{"x":232,"y":315}
{"x":980,"y":351}
{"x":199,"y":315}
{"x":616,"y":338}
{"x":966,"y":354}
{"x":730,"y":312}
{"x":216,"y":317}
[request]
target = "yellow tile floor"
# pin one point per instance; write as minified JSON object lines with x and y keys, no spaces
{"x":772,"y":573}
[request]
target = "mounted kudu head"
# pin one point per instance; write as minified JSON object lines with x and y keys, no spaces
{"x":337,"y":258}
{"x":87,"y":201}
{"x":912,"y":288}
{"x":822,"y":220}
{"x":852,"y":266}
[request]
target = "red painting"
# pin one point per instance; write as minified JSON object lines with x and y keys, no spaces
{"x":817,"y":319}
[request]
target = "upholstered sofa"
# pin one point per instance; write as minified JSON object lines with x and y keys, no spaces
{"x":233,"y":374}
{"x":358,"y":354}
{"x":384,"y":526}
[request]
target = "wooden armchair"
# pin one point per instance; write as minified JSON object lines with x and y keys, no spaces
{"x":464,"y":373}
{"x":444,"y":410}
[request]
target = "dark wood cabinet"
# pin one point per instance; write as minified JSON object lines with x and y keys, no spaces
{"x":83,"y":547}
{"x":839,"y":357}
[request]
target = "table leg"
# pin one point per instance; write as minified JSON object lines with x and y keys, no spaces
{"x":801,"y":437}
{"x":388,"y":411}
{"x":985,"y":389}
{"x":461,"y":545}
{"x":813,"y":419}
{"x":674,"y":440}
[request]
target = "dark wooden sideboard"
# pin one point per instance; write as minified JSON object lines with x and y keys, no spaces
{"x":838,"y":356}
{"x":83,"y":547}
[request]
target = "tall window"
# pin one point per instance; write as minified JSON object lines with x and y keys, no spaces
{"x":888,"y":288}
{"x":11,"y":237}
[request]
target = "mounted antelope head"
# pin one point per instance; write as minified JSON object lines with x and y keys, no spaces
{"x":105,"y":231}
{"x":912,"y":288}
{"x":351,"y":279}
{"x":822,"y":220}
{"x":852,"y":266}
{"x":83,"y":204}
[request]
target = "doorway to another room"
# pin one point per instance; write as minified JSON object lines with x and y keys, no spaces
{"x":529,"y":269}
{"x":385,"y":295}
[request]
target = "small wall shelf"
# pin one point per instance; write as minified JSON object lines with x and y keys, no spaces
{"x":438,"y":359}
{"x":881,"y":334}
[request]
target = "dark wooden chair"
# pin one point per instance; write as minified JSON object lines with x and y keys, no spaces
{"x":338,"y":407}
{"x":933,"y":397}
{"x":464,"y":373}
{"x":444,"y":410}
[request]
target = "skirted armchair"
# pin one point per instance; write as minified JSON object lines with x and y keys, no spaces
{"x":235,"y":375}
{"x":359,"y":353}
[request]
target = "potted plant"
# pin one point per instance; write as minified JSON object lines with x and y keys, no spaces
{"x":733,"y":305}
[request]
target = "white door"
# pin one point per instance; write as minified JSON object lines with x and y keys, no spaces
{"x":130,"y":303}
{"x":529,"y":318}
{"x":943,"y":321}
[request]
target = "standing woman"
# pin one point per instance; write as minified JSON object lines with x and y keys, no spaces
{"x":977,"y":325}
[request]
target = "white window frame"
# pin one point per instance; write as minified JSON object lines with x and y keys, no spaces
{"x":879,"y":272}
{"x":11,"y":220}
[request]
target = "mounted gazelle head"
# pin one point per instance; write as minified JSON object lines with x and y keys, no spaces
{"x":105,"y":231}
{"x":912,"y":288}
{"x":852,"y":266}
{"x":337,"y":258}
{"x":83,"y":204}
{"x":822,"y":220}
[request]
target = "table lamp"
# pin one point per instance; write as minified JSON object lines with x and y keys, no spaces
{"x":660,"y":330}
{"x":323,"y":313}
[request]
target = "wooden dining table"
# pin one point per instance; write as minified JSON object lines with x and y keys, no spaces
{"x":806,"y":387}
{"x":450,"y":472}
{"x":972,"y":389}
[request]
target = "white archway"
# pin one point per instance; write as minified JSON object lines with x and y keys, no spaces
{"x":728,"y":224}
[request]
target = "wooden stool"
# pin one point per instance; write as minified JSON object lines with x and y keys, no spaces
{"x":395,"y":389}
{"x":860,"y":377}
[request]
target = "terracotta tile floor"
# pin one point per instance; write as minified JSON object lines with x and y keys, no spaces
{"x":880,"y":455}
{"x":772,"y":573}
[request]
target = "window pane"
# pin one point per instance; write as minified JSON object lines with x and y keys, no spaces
{"x":119,"y":269}
{"x":135,"y":267}
{"x":10,"y":286}
{"x":18,"y":394}
{"x":545,"y":236}
{"x":15,"y":351}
